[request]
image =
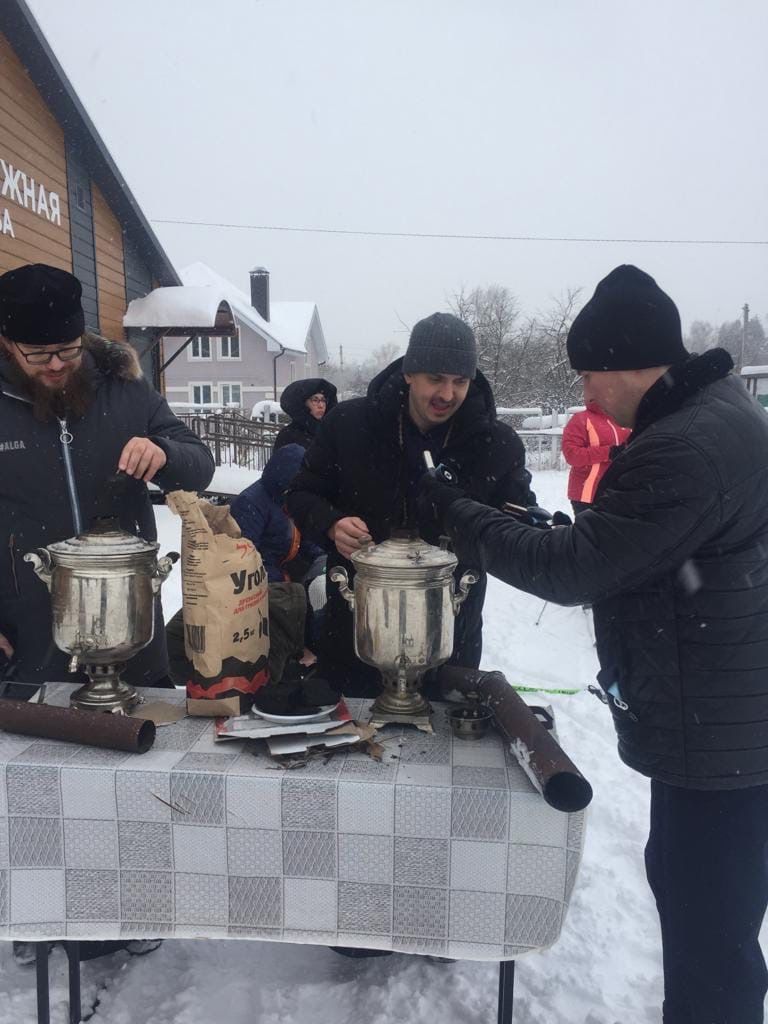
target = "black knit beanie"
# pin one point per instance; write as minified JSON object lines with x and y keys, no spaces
{"x":628,"y":324}
{"x":441,"y":343}
{"x":40,"y":305}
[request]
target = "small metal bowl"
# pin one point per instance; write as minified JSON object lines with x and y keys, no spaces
{"x":470,"y":721}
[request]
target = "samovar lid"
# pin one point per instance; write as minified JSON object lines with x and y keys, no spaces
{"x":104,"y":538}
{"x":404,"y":551}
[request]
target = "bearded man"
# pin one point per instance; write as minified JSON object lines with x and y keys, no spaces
{"x":75,"y":413}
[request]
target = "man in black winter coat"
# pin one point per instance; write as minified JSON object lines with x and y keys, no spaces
{"x":673,"y":557}
{"x":306,"y":402}
{"x":359,"y":478}
{"x":74,"y":411}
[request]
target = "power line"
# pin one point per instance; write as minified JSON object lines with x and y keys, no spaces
{"x":461,"y":237}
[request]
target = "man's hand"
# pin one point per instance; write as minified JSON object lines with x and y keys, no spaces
{"x":6,"y":646}
{"x":141,"y":458}
{"x":533,"y":515}
{"x":435,"y":496}
{"x":349,"y":535}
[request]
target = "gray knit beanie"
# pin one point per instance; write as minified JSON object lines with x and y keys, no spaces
{"x":441,"y":343}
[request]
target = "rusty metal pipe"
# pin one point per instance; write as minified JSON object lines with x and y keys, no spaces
{"x":539,"y":754}
{"x":94,"y":728}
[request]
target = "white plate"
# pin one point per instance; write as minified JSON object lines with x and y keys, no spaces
{"x":324,"y":711}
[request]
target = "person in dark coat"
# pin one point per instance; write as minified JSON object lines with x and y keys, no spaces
{"x":672,"y":557}
{"x":74,"y":411}
{"x":306,"y":402}
{"x":260,"y":513}
{"x":359,"y":478}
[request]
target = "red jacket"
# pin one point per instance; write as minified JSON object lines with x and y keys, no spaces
{"x":587,"y":441}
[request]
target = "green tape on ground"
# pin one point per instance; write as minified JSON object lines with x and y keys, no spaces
{"x":543,"y":689}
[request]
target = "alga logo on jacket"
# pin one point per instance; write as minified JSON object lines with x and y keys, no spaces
{"x":11,"y":446}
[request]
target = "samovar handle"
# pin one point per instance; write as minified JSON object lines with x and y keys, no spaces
{"x":163,"y":571}
{"x":465,"y":583}
{"x":41,"y":563}
{"x":339,"y":575}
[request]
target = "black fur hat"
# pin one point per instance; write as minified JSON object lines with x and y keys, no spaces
{"x":40,"y":305}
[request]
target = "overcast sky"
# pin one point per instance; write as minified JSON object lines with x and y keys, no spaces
{"x":563,"y":118}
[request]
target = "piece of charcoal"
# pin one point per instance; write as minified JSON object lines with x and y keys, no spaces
{"x":279,"y":698}
{"x":318,"y":691}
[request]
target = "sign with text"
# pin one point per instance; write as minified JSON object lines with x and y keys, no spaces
{"x":21,"y":188}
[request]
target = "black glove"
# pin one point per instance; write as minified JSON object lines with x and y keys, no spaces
{"x":533,"y":515}
{"x":614,"y":450}
{"x":561,"y":519}
{"x":433,"y":499}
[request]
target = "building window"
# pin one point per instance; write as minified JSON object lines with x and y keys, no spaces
{"x":230,"y":348}
{"x":293,"y":370}
{"x":200,"y":348}
{"x":201,"y":394}
{"x":231,"y":394}
{"x":80,"y":198}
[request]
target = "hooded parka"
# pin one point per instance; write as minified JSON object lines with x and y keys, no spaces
{"x":303,"y":426}
{"x":53,"y":482}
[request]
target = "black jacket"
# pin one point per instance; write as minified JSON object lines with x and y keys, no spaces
{"x":673,"y":555}
{"x":303,"y":426}
{"x":36,"y":504}
{"x":356,"y":467}
{"x":360,"y":465}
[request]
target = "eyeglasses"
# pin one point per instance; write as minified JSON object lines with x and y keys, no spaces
{"x":318,"y":400}
{"x":66,"y":355}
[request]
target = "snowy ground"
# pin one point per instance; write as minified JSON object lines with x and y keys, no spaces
{"x":606,"y":968}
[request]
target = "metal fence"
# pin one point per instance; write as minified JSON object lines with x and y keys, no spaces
{"x":234,"y":438}
{"x":543,"y":449}
{"x":237,"y":440}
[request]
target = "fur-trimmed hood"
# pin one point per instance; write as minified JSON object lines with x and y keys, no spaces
{"x":112,"y":358}
{"x":104,"y":358}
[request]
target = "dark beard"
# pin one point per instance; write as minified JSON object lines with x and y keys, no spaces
{"x":70,"y":402}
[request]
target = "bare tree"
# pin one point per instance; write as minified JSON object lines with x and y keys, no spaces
{"x":701,"y":336}
{"x":493,"y":315}
{"x":751,"y":340}
{"x":358,"y":374}
{"x":551,"y":382}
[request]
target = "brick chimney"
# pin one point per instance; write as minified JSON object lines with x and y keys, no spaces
{"x":260,"y":291}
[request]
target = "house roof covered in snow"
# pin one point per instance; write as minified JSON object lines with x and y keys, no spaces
{"x":208,"y":301}
{"x":290,"y":323}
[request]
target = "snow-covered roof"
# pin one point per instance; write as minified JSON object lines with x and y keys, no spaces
{"x":175,"y":306}
{"x":292,"y":322}
{"x":754,"y":371}
{"x":289,"y":323}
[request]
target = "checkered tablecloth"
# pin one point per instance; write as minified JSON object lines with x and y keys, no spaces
{"x":444,"y":847}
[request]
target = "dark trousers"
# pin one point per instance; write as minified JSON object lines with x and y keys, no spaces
{"x":579,"y":506}
{"x":707,"y":864}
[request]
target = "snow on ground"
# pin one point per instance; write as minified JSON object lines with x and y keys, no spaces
{"x":606,"y":968}
{"x":233,"y":479}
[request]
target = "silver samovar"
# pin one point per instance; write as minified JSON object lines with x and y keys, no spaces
{"x":103,"y":585}
{"x":404,"y":604}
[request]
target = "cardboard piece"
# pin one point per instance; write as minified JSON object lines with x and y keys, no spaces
{"x":159,"y":712}
{"x":279,"y":746}
{"x":221,"y":707}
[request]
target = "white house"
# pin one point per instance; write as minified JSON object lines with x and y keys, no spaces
{"x":221,"y":346}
